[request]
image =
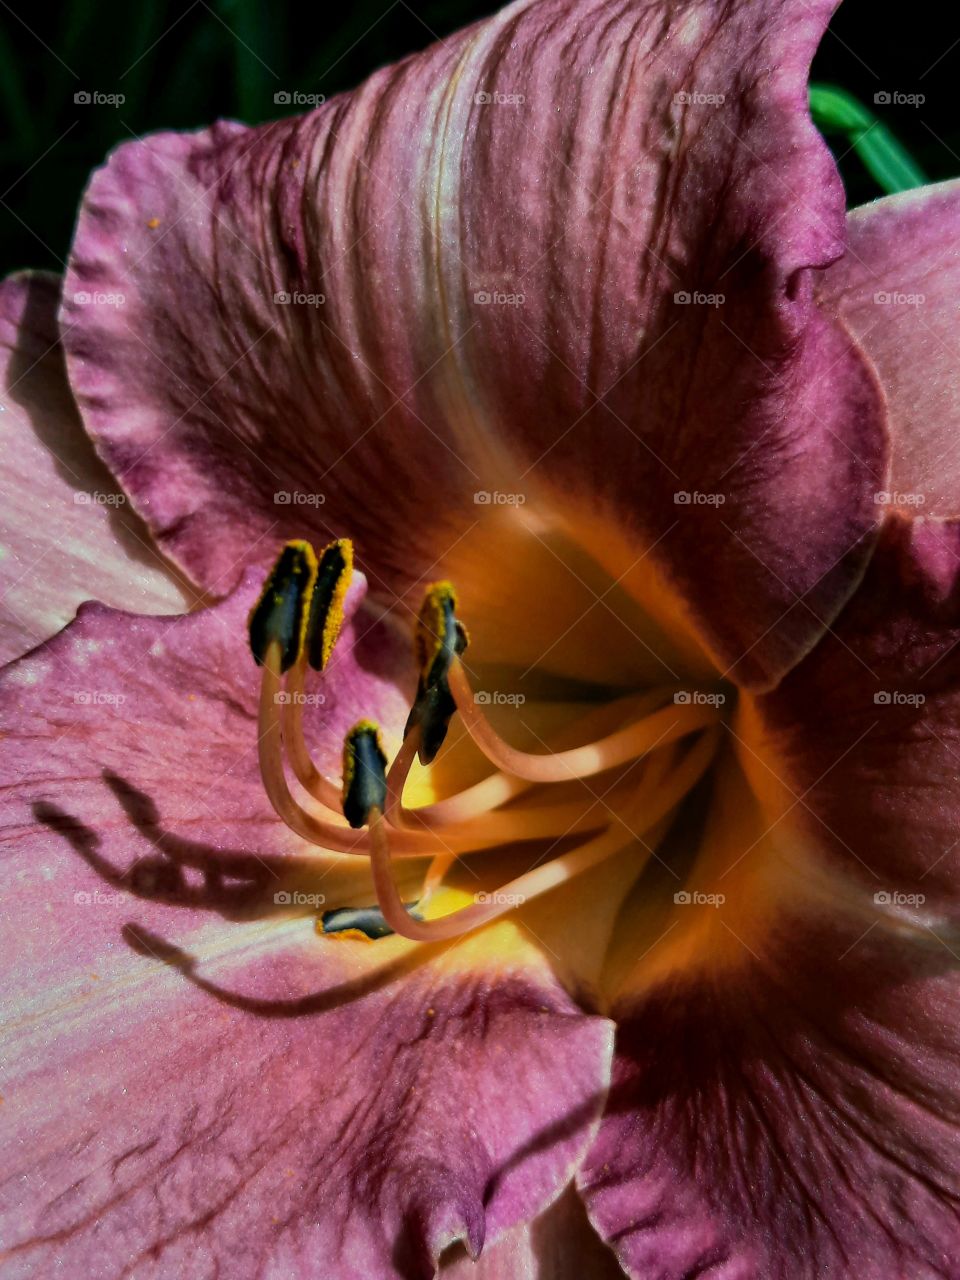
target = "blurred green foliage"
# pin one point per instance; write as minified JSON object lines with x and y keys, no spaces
{"x":838,"y":114}
{"x":182,"y":63}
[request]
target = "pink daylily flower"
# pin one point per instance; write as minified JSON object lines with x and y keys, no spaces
{"x":565,"y":310}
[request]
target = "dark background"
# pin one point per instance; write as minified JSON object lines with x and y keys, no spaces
{"x":182,"y":64}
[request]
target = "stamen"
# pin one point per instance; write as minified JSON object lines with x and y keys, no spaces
{"x":439,"y":638}
{"x":472,"y":802}
{"x":655,"y":768}
{"x":366,"y":923}
{"x":328,"y":835}
{"x":298,"y":618}
{"x":364,"y":773}
{"x":280,"y":615}
{"x":430,"y":716}
{"x":278,"y":631}
{"x":397,"y":777}
{"x":437,"y":870}
{"x":537,"y":821}
{"x":438,"y":632}
{"x":323,"y":622}
{"x":664,"y":726}
{"x":326,"y":605}
{"x":541,"y":879}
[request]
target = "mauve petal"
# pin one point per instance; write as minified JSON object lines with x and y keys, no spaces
{"x":195,"y":1085}
{"x":861,"y":742}
{"x":66,"y":534}
{"x":400,"y":396}
{"x":794,"y":1118}
{"x":898,"y":289}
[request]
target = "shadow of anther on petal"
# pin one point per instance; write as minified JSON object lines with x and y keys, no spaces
{"x":149,"y":944}
{"x":237,"y":883}
{"x":179,"y":852}
{"x":162,"y":878}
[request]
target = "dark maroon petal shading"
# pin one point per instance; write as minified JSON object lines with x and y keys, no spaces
{"x":795,"y":1119}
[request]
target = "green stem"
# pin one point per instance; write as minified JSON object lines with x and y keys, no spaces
{"x":835,"y":111}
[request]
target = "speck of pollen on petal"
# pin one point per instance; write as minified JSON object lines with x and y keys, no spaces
{"x":296,"y":622}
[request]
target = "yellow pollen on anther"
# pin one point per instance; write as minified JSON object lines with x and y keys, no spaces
{"x":283,"y":608}
{"x":437,"y":616}
{"x":334,"y":574}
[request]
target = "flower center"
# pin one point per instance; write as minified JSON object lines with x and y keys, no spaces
{"x":655,"y":759}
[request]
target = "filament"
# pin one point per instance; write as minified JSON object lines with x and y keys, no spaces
{"x":334,"y":835}
{"x":543,"y":878}
{"x":306,"y":772}
{"x":667,"y":724}
{"x":499,"y":788}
